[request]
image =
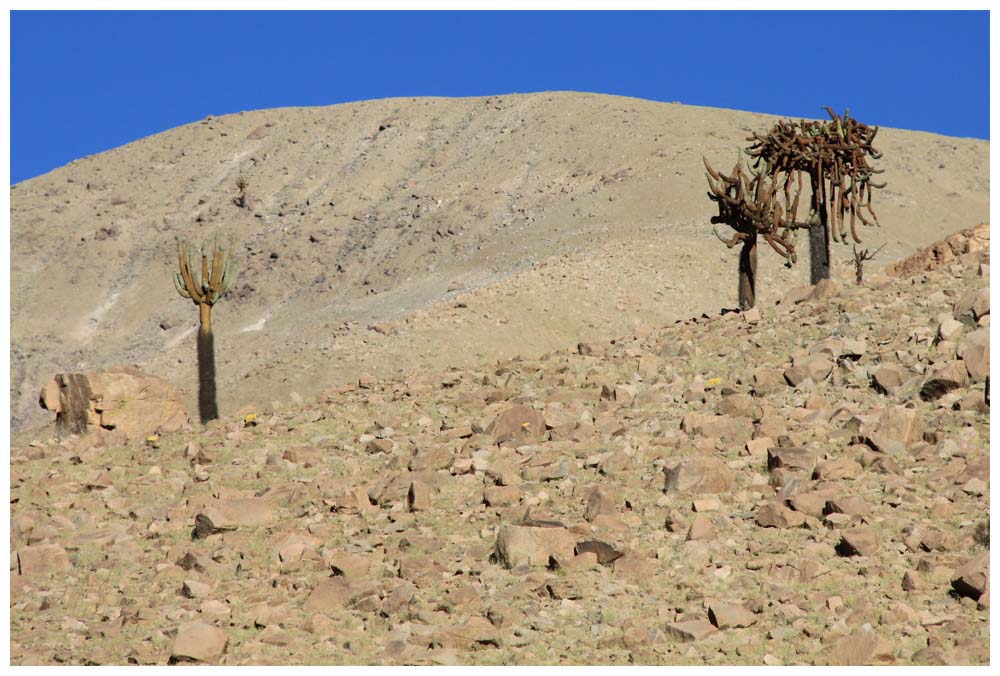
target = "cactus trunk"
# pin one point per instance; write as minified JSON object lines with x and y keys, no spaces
{"x":819,"y":235}
{"x":748,"y":273}
{"x":208,"y":408}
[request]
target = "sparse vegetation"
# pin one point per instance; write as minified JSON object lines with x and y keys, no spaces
{"x":859,"y":261}
{"x":205,"y":290}
{"x":241,"y":199}
{"x":763,"y":199}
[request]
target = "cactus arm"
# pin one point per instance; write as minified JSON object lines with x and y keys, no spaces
{"x":215,"y":281}
{"x":228,"y":277}
{"x":184,"y":260}
{"x":179,"y":285}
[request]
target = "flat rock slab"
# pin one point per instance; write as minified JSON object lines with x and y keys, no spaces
{"x":199,"y":642}
{"x":42,"y":559}
{"x":245,"y":512}
{"x":692,"y":630}
{"x":336,"y":592}
{"x":698,"y":474}
{"x":729,"y":615}
{"x":533,"y":545}
{"x":791,"y":458}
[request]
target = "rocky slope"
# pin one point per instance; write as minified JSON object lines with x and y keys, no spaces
{"x":461,"y":229}
{"x":807,"y":483}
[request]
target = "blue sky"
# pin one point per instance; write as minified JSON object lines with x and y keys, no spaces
{"x":85,"y":82}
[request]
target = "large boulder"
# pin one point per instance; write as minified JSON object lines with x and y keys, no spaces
{"x":120,"y":398}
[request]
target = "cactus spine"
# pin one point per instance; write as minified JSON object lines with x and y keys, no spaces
{"x":217,"y":275}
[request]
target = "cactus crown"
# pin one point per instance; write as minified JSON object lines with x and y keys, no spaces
{"x":218,"y":272}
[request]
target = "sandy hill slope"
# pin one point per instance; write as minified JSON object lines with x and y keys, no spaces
{"x":464,"y":229}
{"x":806,"y":484}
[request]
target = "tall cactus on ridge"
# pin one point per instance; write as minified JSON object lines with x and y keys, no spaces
{"x":218,"y":274}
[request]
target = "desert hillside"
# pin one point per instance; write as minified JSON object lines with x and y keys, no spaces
{"x":806,"y":483}
{"x":411,"y":234}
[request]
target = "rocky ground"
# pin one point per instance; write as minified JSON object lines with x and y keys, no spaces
{"x":805,"y":483}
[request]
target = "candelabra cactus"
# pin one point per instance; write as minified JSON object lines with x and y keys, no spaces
{"x":763,"y":200}
{"x":218,"y":273}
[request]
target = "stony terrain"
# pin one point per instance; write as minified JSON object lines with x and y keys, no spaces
{"x":804,"y":483}
{"x":416,"y":233}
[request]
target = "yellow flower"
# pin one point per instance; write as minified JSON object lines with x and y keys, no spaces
{"x":712,"y":382}
{"x":250,"y":419}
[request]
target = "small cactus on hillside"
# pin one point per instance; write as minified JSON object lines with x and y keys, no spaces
{"x":241,"y":184}
{"x":218,"y":272}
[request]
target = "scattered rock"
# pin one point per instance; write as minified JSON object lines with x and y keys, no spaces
{"x":972,"y":578}
{"x":691,"y":630}
{"x":730,"y":616}
{"x":862,"y":541}
{"x":199,"y":642}
{"x":533,"y":546}
{"x":605,"y":553}
{"x":861,"y":648}
{"x":773,"y":514}
{"x":698,"y":474}
{"x":702,"y":528}
{"x":518,"y":426}
{"x":42,"y":559}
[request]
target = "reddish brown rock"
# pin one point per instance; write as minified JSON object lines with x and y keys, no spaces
{"x":730,"y":616}
{"x":336,"y":592}
{"x":702,"y":528}
{"x":841,"y":468}
{"x":518,"y":426}
{"x":767,"y":381}
{"x":791,"y":458}
{"x":42,"y":559}
{"x":905,"y":425}
{"x":854,"y":505}
{"x":125,"y":399}
{"x":814,"y":367}
{"x":698,"y":474}
{"x":245,"y":512}
{"x":727,"y":428}
{"x":307,"y":456}
{"x":975,"y":352}
{"x":943,"y":380}
{"x":863,"y":647}
{"x":418,"y":497}
{"x":862,"y":541}
{"x":972,"y":578}
{"x":379,"y":446}
{"x":773,"y":514}
{"x":691,"y":630}
{"x":890,"y":377}
{"x":600,"y":501}
{"x":532,"y":545}
{"x":809,"y":502}
{"x":634,"y":566}
{"x":199,"y":642}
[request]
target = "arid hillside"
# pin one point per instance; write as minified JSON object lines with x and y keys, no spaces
{"x":800,"y":484}
{"x":411,"y":234}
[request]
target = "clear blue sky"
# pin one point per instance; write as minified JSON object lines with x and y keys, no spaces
{"x":84,"y":82}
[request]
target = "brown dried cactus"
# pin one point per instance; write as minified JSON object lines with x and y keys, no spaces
{"x":752,"y":207}
{"x":834,"y":155}
{"x":859,"y":261}
{"x":764,"y":199}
